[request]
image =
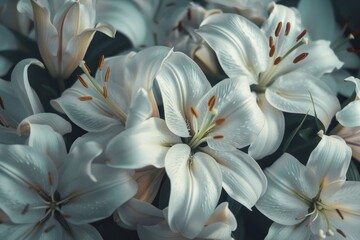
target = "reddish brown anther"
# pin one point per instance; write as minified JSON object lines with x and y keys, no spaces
{"x":341,"y":232}
{"x":101,"y":62}
{"x":272,"y":51}
{"x":301,"y":35}
{"x":83,"y":82}
{"x":218,"y":137}
{"x":194,"y":112}
{"x":277,"y":60}
{"x":26,"y":209}
{"x":188,"y":14}
{"x":211,"y":103}
{"x":300,"y":57}
{"x":220,"y":121}
{"x":278,"y":29}
{"x":271,"y":41}
{"x":107,"y":74}
{"x":48,"y":229}
{"x":340,"y":214}
{"x":287,"y":29}
{"x":171,"y":4}
{"x":85,"y":98}
{"x":51,"y":178}
{"x":105,"y":91}
{"x":87,"y":68}
{"x":353,"y":50}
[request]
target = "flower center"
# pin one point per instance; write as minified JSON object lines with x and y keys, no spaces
{"x":102,"y":91}
{"x":277,"y":57}
{"x":209,"y":122}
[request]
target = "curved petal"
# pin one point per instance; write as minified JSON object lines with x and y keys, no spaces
{"x":349,"y":116}
{"x":295,"y":91}
{"x":85,"y":232}
{"x":235,"y":108}
{"x":182,"y":84}
{"x":149,"y":182}
{"x":16,"y":231}
{"x":291,"y":186}
{"x":159,"y":231}
{"x":57,"y":123}
{"x":271,"y":135}
{"x":191,"y":201}
{"x":20,"y":83}
{"x":136,"y":212}
{"x":298,"y":232}
{"x":330,"y":159}
{"x":45,"y":140}
{"x":140,"y":146}
{"x":24,"y":172}
{"x":243,"y":179}
{"x":240,"y":46}
{"x":351,"y":137}
{"x":91,"y":201}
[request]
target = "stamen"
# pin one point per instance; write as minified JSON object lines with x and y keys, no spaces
{"x":218,"y":137}
{"x":272,"y":51}
{"x":189,"y":14}
{"x":85,"y":98}
{"x":220,"y":121}
{"x":211,"y":103}
{"x":341,"y":233}
{"x":3,"y":122}
{"x":107,"y":74}
{"x":48,"y":229}
{"x":2,"y":103}
{"x":66,"y":215}
{"x":278,"y":29}
{"x":101,"y":62}
{"x":51,"y":178}
{"x":300,"y":57}
{"x":288,"y":27}
{"x":271,"y":41}
{"x":340,"y":214}
{"x":355,"y":32}
{"x":105,"y":90}
{"x":321,"y":234}
{"x":301,"y":35}
{"x":26,"y":209}
{"x":87,"y":68}
{"x":329,"y":232}
{"x":83,"y":82}
{"x":194,"y":112}
{"x":277,"y":60}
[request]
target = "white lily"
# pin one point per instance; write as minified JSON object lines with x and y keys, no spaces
{"x":19,"y":104}
{"x":279,"y":64}
{"x":152,"y":223}
{"x":49,"y":194}
{"x":313,"y":201}
{"x":315,"y":16}
{"x":218,"y":117}
{"x":349,"y":119}
{"x":64,"y":30}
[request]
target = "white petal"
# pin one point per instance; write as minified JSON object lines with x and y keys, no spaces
{"x":191,"y":201}
{"x":23,"y":170}
{"x":140,"y":146}
{"x":91,"y":201}
{"x":240,"y":46}
{"x":237,"y":106}
{"x":291,"y":93}
{"x":160,"y":231}
{"x":290,"y":186}
{"x":85,"y":232}
{"x":136,"y":212}
{"x":356,"y":82}
{"x":182,"y":84}
{"x":45,"y":140}
{"x":140,"y":109}
{"x":243,"y":179}
{"x":56,"y":122}
{"x":16,"y":231}
{"x":330,"y":159}
{"x":20,"y":82}
{"x":351,"y":137}
{"x":344,"y":87}
{"x":149,"y":182}
{"x":349,"y":116}
{"x":271,"y":135}
{"x":298,"y":232}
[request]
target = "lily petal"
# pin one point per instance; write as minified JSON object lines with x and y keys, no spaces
{"x":149,"y":182}
{"x":292,"y":93}
{"x":330,"y":159}
{"x":191,"y":202}
{"x":131,"y":148}
{"x":20,"y":82}
{"x":91,"y":201}
{"x":286,"y":199}
{"x":298,"y":232}
{"x":140,"y":109}
{"x":24,"y":172}
{"x":271,"y":135}
{"x":243,"y":179}
{"x":178,"y":93}
{"x":85,"y":232}
{"x":349,"y":116}
{"x":240,"y":45}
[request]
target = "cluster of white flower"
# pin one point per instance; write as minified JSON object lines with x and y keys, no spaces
{"x":149,"y":116}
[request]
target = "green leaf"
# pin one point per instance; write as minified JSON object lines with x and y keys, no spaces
{"x":353,"y":173}
{"x":319,"y":125}
{"x":293,"y":133}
